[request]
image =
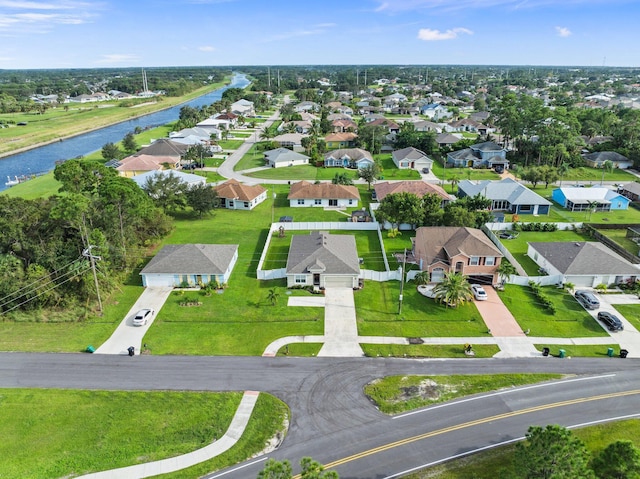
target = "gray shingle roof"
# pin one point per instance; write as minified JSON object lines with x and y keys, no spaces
{"x":191,"y":259}
{"x":409,"y":153}
{"x":584,"y":257}
{"x":353,"y":154}
{"x":602,"y":156}
{"x":324,"y":252}
{"x":284,"y":155}
{"x":503,"y":190}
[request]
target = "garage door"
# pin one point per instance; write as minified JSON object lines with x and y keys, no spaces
{"x":580,"y":280}
{"x":480,"y":279}
{"x":338,"y":282}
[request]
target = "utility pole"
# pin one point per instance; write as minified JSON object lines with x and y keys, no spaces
{"x":92,"y":259}
{"x":404,"y":262}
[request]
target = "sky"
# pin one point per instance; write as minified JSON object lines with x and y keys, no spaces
{"x":148,"y":33}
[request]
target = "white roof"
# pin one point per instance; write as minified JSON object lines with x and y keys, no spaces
{"x":595,"y":193}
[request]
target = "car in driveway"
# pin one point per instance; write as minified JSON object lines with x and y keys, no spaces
{"x":587,"y":299}
{"x":611,"y":321}
{"x":142,"y":317}
{"x":478,"y":292}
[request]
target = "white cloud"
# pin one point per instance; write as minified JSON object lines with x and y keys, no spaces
{"x":429,"y":35}
{"x":206,"y":48}
{"x":563,"y":31}
{"x":395,"y":6}
{"x":24,"y":16}
{"x":118,"y":59}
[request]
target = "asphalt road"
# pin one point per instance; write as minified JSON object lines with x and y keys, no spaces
{"x":331,"y":419}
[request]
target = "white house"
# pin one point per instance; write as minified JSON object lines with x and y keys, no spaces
{"x":305,"y":194}
{"x":234,"y":195}
{"x":284,"y":157}
{"x":190,"y":264}
{"x":412,"y":158}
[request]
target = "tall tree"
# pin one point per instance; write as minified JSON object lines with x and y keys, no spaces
{"x":129,"y":143}
{"x":552,"y":452}
{"x":401,"y":208}
{"x":110,"y":151}
{"x":202,"y":198}
{"x":369,"y":173}
{"x":168,"y":192}
{"x":619,"y":460}
{"x":431,"y":206}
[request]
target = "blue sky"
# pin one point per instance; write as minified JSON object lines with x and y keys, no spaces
{"x":118,"y":33}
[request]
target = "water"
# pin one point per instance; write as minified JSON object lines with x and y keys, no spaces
{"x":43,"y":159}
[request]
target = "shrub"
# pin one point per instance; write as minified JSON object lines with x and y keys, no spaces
{"x":541,"y":297}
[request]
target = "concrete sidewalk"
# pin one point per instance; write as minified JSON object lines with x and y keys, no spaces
{"x":164,"y":466}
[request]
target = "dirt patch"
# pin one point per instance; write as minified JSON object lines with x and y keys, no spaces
{"x":427,"y":390}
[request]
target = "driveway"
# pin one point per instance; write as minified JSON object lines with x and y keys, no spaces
{"x":126,"y":334}
{"x":340,"y":327}
{"x":628,"y":339}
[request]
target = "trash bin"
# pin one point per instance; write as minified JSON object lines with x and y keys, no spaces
{"x":562,"y":353}
{"x":623,"y":353}
{"x":610,"y":352}
{"x":90,"y":349}
{"x":545,"y":352}
{"x":131,"y":350}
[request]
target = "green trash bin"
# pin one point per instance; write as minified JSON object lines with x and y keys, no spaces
{"x":562,"y":353}
{"x":90,"y":349}
{"x":610,"y":352}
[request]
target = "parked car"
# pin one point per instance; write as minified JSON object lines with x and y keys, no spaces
{"x":478,"y":292}
{"x":142,"y":317}
{"x":509,"y":234}
{"x":587,"y":299}
{"x":611,"y":321}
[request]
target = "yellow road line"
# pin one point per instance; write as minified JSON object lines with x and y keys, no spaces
{"x":475,"y":422}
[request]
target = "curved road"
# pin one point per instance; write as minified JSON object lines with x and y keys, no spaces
{"x":332,"y":420}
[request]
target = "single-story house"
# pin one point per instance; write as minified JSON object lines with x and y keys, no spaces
{"x":390,"y":125}
{"x":348,"y":158}
{"x":340,"y":140}
{"x":631,"y":191}
{"x":506,"y":195}
{"x":234,"y":195}
{"x":418,"y":187}
{"x":487,"y":154}
{"x":303,"y":194}
{"x":596,"y":198}
{"x":164,"y":147}
{"x":284,"y":157}
{"x":306,"y":106}
{"x":293,"y":141}
{"x":435,"y":111}
{"x":413,"y":158}
{"x":424,"y":125}
{"x":447,"y":139}
{"x":191,"y":136}
{"x":243,"y":107}
{"x":138,"y":164}
{"x":215,"y":126}
{"x":583,"y":263}
{"x":453,"y":249}
{"x":323,"y":260}
{"x":596,"y":160}
{"x":190,"y":265}
{"x":188,"y":178}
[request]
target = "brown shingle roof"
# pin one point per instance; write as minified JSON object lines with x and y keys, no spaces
{"x":347,"y":136}
{"x":419,"y":188}
{"x":144,"y":162}
{"x":440,"y":243}
{"x":306,"y":190}
{"x":234,"y":190}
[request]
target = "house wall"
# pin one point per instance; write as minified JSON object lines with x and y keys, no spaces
{"x":177,"y":280}
{"x":620,"y":203}
{"x":233,"y":204}
{"x":558,"y":196}
{"x":302,"y":161}
{"x":324,"y":203}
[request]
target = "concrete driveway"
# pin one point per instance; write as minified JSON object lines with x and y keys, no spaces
{"x":340,"y":327}
{"x":628,"y":339}
{"x":126,"y":334}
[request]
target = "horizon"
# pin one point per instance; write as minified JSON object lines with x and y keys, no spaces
{"x":77,"y":34}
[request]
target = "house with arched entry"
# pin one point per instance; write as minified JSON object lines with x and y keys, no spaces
{"x":456,"y":249}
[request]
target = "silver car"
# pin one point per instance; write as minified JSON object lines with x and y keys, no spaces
{"x":142,"y":317}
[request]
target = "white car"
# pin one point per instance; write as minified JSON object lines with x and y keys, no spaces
{"x":142,"y":317}
{"x":478,"y":292}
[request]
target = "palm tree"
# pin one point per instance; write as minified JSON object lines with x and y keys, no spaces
{"x":453,"y":290}
{"x":421,"y":278}
{"x":563,"y":169}
{"x":506,"y":270}
{"x":272,"y":296}
{"x":455,"y":179}
{"x":607,"y":167}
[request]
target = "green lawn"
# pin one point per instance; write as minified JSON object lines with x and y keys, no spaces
{"x":428,"y":351}
{"x":396,"y":394}
{"x":498,"y":462}
{"x":620,"y":237}
{"x":91,"y":431}
{"x":40,"y":187}
{"x":377,"y":313}
{"x":569,"y":321}
{"x":586,"y":351}
{"x":389,"y":170}
{"x":518,"y":246}
{"x":230,"y":144}
{"x":367,"y":244}
{"x":631,"y":312}
{"x":254,"y":158}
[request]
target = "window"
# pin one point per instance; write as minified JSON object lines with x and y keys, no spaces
{"x":317,"y":201}
{"x":525,"y":208}
{"x":301,"y":202}
{"x":459,"y":267}
{"x":490,"y":261}
{"x":300,"y":279}
{"x":350,"y":202}
{"x":246,"y":204}
{"x":474,"y":261}
{"x":230,"y":204}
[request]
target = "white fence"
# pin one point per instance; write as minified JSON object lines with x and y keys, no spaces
{"x":386,"y":275}
{"x":509,"y":226}
{"x":541,"y":280}
{"x":505,"y":252}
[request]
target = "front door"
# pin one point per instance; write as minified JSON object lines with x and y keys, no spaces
{"x":316,"y":279}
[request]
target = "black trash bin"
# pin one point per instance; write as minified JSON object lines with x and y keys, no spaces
{"x":131,"y":350}
{"x":545,"y":351}
{"x":623,"y":353}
